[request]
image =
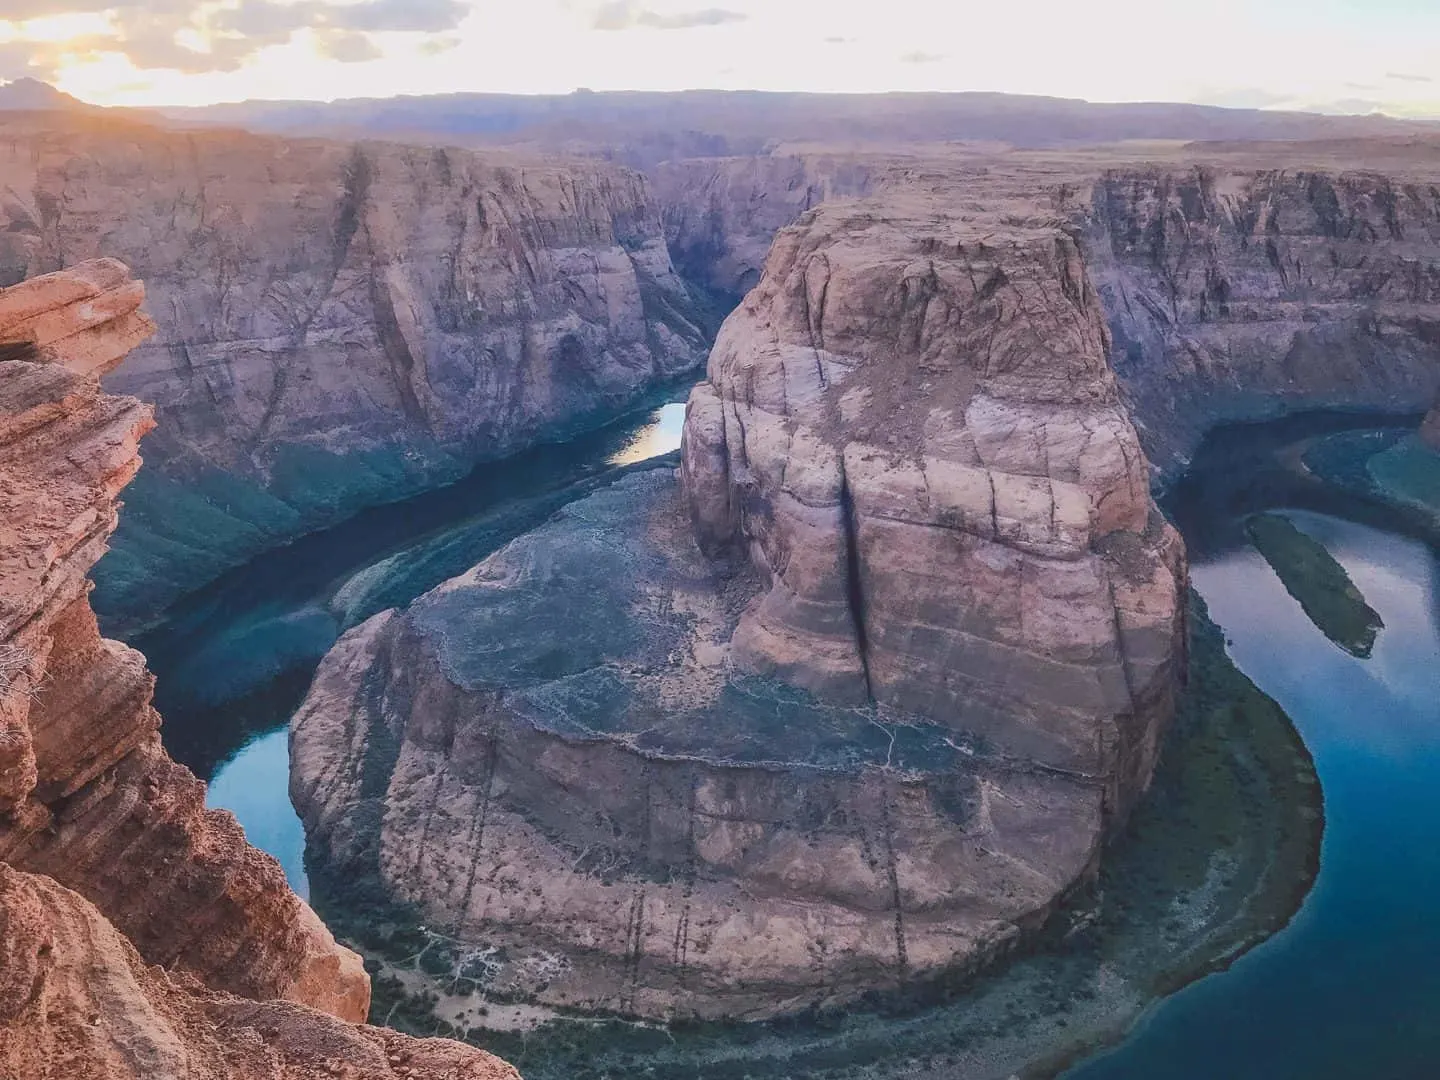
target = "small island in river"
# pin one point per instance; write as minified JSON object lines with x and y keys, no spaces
{"x":1314,"y":578}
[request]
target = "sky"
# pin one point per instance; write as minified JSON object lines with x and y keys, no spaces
{"x":1331,"y":55}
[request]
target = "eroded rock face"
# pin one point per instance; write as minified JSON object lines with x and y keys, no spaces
{"x":77,"y":1000}
{"x":721,"y":214}
{"x":106,"y":846}
{"x":340,"y":324}
{"x":1233,"y":291}
{"x":911,"y":427}
{"x":1239,"y":295}
{"x":851,"y":704}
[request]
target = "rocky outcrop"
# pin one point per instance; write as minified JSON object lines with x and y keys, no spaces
{"x":77,"y":1000}
{"x":94,"y":817}
{"x":1236,"y":295}
{"x":911,"y":428}
{"x":851,"y":705}
{"x":341,"y":324}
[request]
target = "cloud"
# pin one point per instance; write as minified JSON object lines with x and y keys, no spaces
{"x":1401,"y":76}
{"x":380,"y":16}
{"x":627,"y":14}
{"x":149,"y":32}
{"x":20,"y":58}
{"x":922,"y":58}
{"x":348,"y":47}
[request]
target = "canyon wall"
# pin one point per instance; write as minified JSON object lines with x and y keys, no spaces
{"x":1234,"y":290}
{"x":340,"y":324}
{"x":131,"y":916}
{"x":850,"y":701}
{"x":721,"y":214}
{"x":1236,"y":295}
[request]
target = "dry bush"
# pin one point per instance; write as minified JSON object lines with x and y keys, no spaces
{"x":14,"y":662}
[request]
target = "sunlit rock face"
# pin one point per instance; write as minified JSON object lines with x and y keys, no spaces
{"x":1237,"y":289}
{"x":850,"y":701}
{"x":911,"y":429}
{"x":140,"y":935}
{"x":1243,"y":294}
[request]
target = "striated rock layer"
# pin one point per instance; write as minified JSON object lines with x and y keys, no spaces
{"x":77,"y":1001}
{"x":1239,"y":294}
{"x":720,"y":215}
{"x":852,"y":704}
{"x":341,"y":324}
{"x":1236,"y":286}
{"x":911,"y":428}
{"x":111,"y":867}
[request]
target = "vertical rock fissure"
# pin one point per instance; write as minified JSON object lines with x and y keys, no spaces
{"x":681,"y":952}
{"x":396,"y":348}
{"x":854,"y":578}
{"x":892,"y":870}
{"x":476,"y":840}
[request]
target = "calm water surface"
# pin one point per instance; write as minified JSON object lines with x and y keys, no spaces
{"x":1352,"y":987}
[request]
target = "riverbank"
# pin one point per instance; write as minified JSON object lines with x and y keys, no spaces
{"x":1215,"y":859}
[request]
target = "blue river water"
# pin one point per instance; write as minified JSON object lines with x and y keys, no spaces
{"x":1351,"y":988}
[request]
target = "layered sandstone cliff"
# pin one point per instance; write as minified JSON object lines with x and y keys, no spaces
{"x":1235,"y":289}
{"x":341,"y":324}
{"x":1244,"y":294}
{"x":911,"y":428}
{"x":853,"y":710}
{"x":721,"y":214}
{"x":129,"y":913}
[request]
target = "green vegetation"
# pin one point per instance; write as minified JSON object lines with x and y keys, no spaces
{"x":1216,"y":858}
{"x":1313,"y":577}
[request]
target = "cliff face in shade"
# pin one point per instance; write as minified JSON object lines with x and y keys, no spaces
{"x":721,"y":214}
{"x":850,"y":701}
{"x":1233,"y":291}
{"x":1241,"y":295}
{"x":341,"y":324}
{"x":106,"y":846}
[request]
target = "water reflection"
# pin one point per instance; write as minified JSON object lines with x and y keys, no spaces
{"x":245,"y":786}
{"x":1351,"y":987}
{"x":660,"y":436}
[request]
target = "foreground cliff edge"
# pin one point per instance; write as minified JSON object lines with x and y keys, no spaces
{"x":852,"y":705}
{"x":140,"y":935}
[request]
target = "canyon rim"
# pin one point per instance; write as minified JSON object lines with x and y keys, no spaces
{"x":849,"y":697}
